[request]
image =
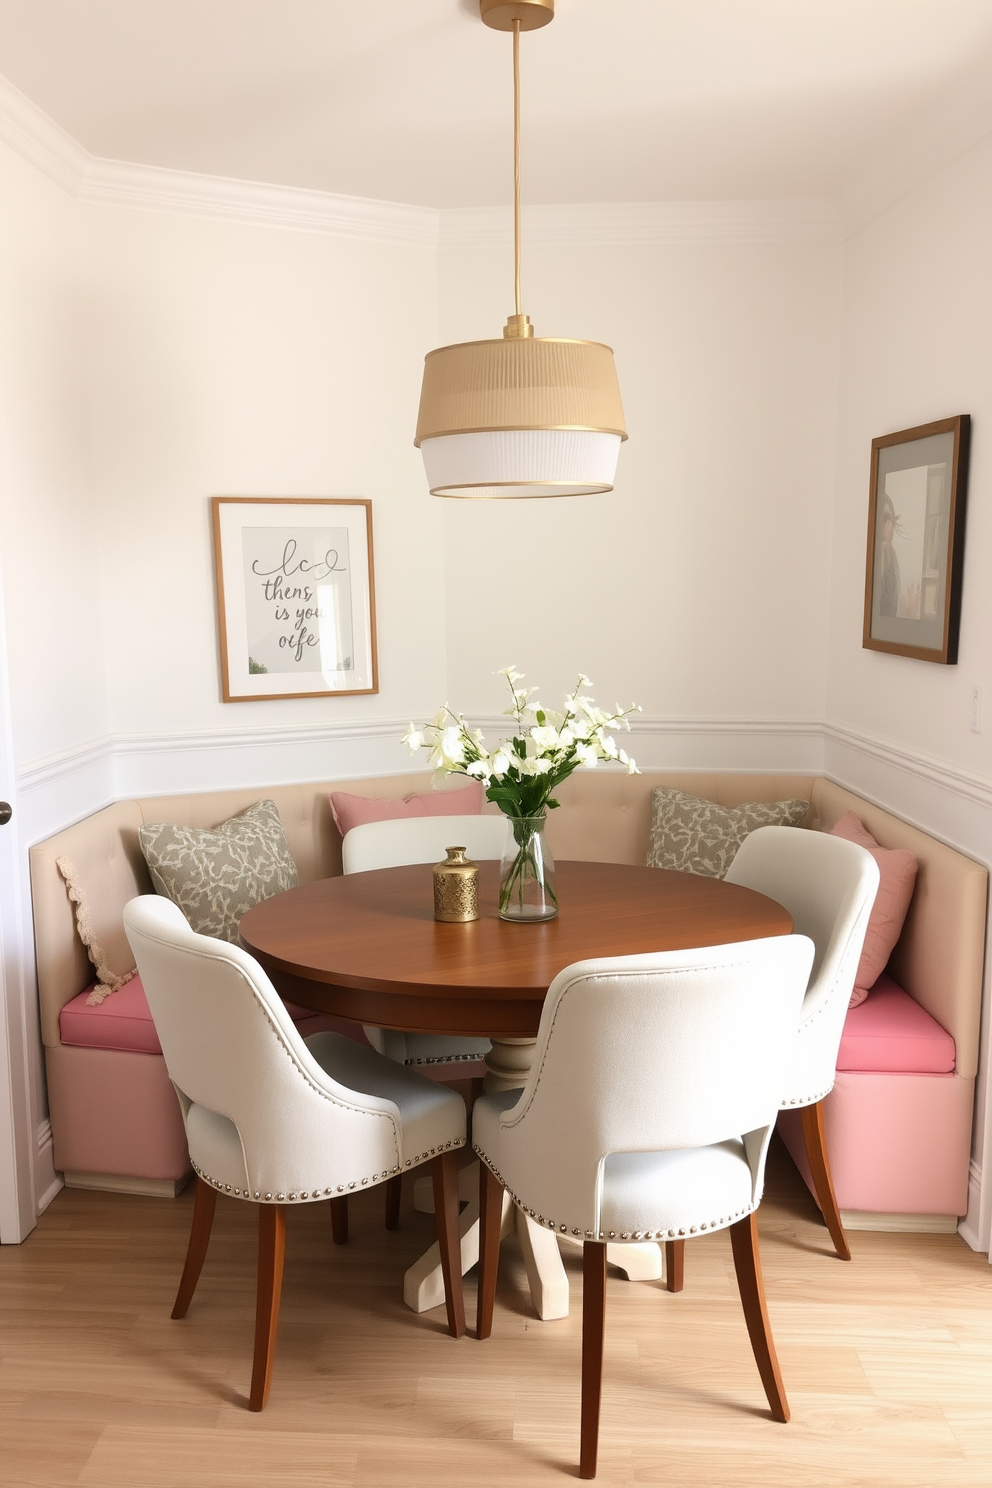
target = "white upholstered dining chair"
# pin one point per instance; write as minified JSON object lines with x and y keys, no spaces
{"x":424,"y":839}
{"x":828,"y":885}
{"x":647,"y":1115}
{"x":276,"y":1121}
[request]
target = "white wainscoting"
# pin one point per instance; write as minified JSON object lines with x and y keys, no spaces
{"x":950,"y":804}
{"x":956,"y":807}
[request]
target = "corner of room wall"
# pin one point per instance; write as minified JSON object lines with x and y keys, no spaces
{"x":917,"y":321}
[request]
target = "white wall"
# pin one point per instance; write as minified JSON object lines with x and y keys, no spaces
{"x":49,"y":541}
{"x":234,"y":360}
{"x":53,"y":692}
{"x":917,"y":327}
{"x":699,"y":587}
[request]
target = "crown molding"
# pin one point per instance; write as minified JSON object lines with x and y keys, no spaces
{"x":43,"y":143}
{"x":38,"y":139}
{"x":152,"y":189}
{"x":646,"y":224}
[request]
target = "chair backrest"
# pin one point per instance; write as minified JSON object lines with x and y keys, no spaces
{"x":421,"y":839}
{"x":828,"y":885}
{"x":650,"y":1053}
{"x":231,"y":1049}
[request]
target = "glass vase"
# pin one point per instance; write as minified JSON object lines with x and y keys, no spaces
{"x":527,"y":872}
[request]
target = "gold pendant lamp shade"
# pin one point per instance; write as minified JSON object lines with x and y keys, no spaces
{"x":524,"y":415}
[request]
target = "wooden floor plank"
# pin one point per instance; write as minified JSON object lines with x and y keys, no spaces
{"x":887,"y":1361}
{"x":125,"y":1456}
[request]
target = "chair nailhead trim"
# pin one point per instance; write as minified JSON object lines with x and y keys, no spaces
{"x":629,"y":1235}
{"x":304,"y":1197}
{"x":446,"y":1059}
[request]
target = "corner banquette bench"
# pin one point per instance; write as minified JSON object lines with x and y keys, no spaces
{"x":898,"y":1122}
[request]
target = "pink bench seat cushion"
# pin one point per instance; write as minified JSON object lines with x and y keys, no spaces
{"x":124,"y":1022}
{"x":890,"y":1033}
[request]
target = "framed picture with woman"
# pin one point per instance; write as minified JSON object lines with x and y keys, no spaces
{"x":916,"y":510}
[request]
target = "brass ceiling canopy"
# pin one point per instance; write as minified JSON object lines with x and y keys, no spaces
{"x":525,"y":415}
{"x":501,"y":14}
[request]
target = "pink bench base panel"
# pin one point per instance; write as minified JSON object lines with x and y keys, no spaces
{"x":114,"y":1112}
{"x":897,"y":1143}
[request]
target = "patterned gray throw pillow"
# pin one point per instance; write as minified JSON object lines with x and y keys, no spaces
{"x":216,"y":876}
{"x":696,"y":836}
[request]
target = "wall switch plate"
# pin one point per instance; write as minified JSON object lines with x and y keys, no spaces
{"x":976,"y":710}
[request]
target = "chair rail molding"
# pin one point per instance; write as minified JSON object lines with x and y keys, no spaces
{"x":202,"y":759}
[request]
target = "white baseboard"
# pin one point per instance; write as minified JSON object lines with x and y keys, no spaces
{"x":899,"y":1224}
{"x":151,"y":1188}
{"x":47,"y":1182}
{"x":971,"y":1229}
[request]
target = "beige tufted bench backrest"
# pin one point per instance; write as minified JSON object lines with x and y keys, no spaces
{"x":605,"y":815}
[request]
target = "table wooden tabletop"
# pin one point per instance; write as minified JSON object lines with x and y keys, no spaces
{"x":366,"y":946}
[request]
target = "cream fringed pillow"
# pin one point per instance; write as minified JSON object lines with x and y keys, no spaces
{"x":217,"y":876}
{"x":691,"y":835}
{"x":107,"y":980}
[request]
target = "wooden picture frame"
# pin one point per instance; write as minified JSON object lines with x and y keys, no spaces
{"x":295,"y":596}
{"x":915,"y":561}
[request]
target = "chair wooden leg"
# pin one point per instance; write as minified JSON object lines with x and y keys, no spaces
{"x":204,"y":1204}
{"x":674,"y":1265}
{"x":444,"y":1171}
{"x":819,"y":1166}
{"x":490,"y":1217}
{"x":593,"y":1330}
{"x":747,"y":1264}
{"x":394,"y":1193}
{"x":271,"y":1254}
{"x":339,"y":1220}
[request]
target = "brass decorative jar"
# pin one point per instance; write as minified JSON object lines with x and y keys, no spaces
{"x":456,"y":888}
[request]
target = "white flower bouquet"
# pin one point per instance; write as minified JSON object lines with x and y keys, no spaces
{"x":521,"y":775}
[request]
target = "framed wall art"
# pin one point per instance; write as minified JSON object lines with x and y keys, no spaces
{"x":295,"y":596}
{"x":916,"y":511}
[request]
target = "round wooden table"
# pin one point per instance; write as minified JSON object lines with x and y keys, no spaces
{"x":366,"y":946}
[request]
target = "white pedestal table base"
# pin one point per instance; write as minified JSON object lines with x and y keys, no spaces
{"x":508,"y":1065}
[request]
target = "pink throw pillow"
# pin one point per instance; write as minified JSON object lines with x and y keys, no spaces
{"x":897,"y":878}
{"x":354,"y":811}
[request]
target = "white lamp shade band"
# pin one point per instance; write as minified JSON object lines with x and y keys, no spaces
{"x":521,"y":462}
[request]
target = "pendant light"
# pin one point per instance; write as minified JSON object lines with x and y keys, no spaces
{"x":526,"y":415}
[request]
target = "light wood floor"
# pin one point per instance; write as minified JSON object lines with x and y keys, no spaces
{"x":887,"y":1362}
